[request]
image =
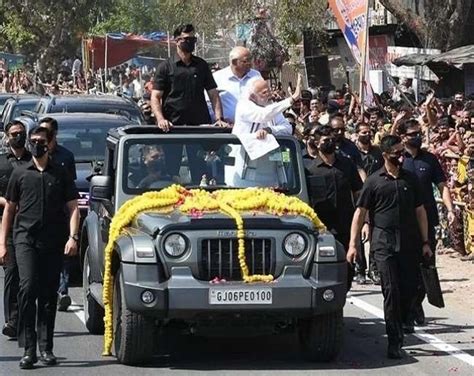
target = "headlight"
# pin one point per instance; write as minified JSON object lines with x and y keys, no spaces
{"x":294,"y":244}
{"x":175,"y":245}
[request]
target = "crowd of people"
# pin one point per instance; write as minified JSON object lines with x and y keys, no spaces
{"x":397,"y":175}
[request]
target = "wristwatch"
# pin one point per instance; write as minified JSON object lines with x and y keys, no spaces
{"x":74,"y":237}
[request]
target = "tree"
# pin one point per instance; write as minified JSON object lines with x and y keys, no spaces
{"x":46,"y":30}
{"x":442,"y":24}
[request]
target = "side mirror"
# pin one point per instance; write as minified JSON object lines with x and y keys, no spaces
{"x":101,"y":188}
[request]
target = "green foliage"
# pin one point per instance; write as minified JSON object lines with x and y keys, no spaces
{"x":46,"y":30}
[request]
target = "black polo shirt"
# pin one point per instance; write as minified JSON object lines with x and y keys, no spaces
{"x":41,"y":198}
{"x":392,"y":204}
{"x":8,"y":162}
{"x":429,"y":171}
{"x":331,"y":191}
{"x":349,"y":149}
{"x":63,"y":157}
{"x":372,"y":160}
{"x":183,"y":85}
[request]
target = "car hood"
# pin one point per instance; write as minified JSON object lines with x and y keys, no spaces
{"x":153,"y":223}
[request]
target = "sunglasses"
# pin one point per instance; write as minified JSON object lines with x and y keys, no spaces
{"x":16,"y":134}
{"x":38,"y":141}
{"x":339,"y":130}
{"x":413,"y":134}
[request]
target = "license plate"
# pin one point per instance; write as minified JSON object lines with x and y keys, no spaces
{"x":240,"y":296}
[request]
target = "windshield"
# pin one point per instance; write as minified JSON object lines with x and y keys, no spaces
{"x":218,"y":163}
{"x":22,"y":107}
{"x":86,"y":142}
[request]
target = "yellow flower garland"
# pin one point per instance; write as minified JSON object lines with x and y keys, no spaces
{"x":196,"y":202}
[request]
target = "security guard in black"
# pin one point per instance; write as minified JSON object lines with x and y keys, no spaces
{"x":36,"y":196}
{"x":15,"y":156}
{"x":393,"y":200}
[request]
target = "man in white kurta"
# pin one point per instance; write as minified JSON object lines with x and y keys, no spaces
{"x":256,"y":114}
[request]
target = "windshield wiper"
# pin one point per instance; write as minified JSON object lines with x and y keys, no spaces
{"x":210,"y":187}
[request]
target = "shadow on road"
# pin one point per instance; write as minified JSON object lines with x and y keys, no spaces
{"x":364,"y":348}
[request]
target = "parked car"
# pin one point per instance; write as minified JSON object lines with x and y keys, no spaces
{"x":3,"y":99}
{"x":164,"y":265}
{"x":105,"y":104}
{"x":84,"y":134}
{"x":15,"y":105}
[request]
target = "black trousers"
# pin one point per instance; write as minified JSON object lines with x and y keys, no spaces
{"x":11,"y":286}
{"x":39,"y":271}
{"x":421,"y":292}
{"x":399,"y":274}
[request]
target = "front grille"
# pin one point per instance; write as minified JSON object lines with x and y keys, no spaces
{"x":219,"y":258}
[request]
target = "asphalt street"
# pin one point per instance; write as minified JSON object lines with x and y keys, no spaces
{"x":444,"y":347}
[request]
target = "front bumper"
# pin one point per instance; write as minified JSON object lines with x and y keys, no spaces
{"x":184,"y":297}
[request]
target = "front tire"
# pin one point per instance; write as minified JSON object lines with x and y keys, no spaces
{"x":93,"y":311}
{"x":134,"y":333}
{"x":321,"y":336}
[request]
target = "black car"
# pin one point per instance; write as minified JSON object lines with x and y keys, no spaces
{"x":105,"y":104}
{"x":84,"y":134}
{"x":3,"y":99}
{"x":15,"y":105}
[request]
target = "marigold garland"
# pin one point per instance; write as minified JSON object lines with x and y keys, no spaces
{"x":229,"y":202}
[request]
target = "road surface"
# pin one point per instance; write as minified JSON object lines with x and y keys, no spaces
{"x":444,"y":347}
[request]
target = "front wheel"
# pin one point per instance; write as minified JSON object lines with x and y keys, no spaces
{"x":134,"y":333}
{"x":93,"y":311}
{"x":321,"y":336}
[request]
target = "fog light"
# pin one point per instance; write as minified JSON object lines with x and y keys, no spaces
{"x":328,"y":295}
{"x":147,"y":297}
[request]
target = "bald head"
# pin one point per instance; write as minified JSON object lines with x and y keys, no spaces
{"x":240,"y":61}
{"x":238,"y":53}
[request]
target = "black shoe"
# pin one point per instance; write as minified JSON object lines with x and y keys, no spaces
{"x":28,"y":361}
{"x":360,"y":278}
{"x":419,"y":316}
{"x":394,"y":351}
{"x":48,"y":358}
{"x":64,"y":301}
{"x":408,"y":328}
{"x":9,"y":330}
{"x":375,"y":278}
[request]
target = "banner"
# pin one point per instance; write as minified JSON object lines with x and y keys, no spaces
{"x":351,"y":18}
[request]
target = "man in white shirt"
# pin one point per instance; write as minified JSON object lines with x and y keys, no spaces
{"x":256,"y":113}
{"x":233,"y":82}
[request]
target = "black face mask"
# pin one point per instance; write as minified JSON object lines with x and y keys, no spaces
{"x":329,"y":147}
{"x":364,"y":139}
{"x":37,"y":150}
{"x":396,"y":161}
{"x":17,"y":142}
{"x":415,"y":142}
{"x":157,"y":165}
{"x":187,"y":46}
{"x":339,"y":137}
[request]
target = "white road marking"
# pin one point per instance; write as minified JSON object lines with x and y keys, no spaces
{"x":420,"y":333}
{"x":430,"y":339}
{"x":78,"y":310}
